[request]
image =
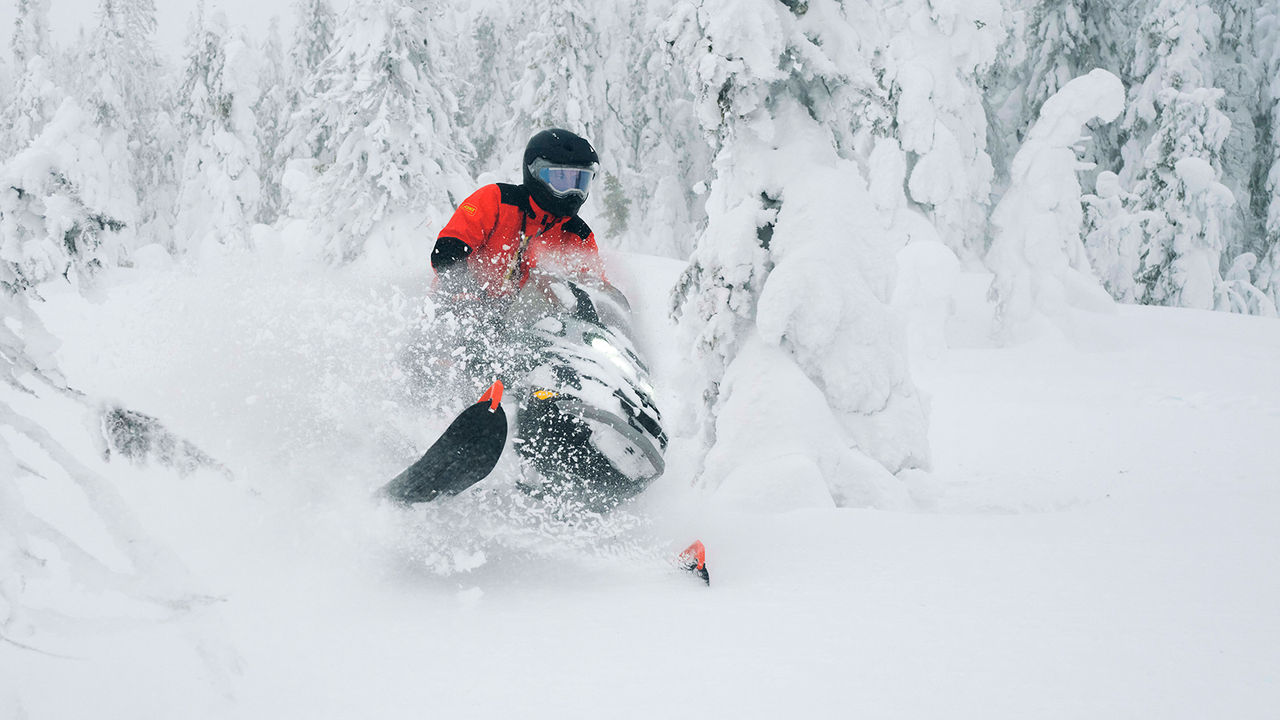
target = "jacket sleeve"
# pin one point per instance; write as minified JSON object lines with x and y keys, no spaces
{"x":469,"y":228}
{"x":593,"y":264}
{"x":586,"y":252}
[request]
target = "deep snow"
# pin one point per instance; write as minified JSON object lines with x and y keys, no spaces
{"x":1098,"y":537}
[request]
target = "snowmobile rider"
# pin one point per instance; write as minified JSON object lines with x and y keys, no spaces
{"x":502,"y":231}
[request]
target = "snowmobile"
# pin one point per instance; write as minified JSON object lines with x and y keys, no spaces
{"x":586,"y":429}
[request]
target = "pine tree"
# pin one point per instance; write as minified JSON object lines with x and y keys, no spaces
{"x":1266,"y":182}
{"x":6,"y":82}
{"x":1173,"y":158}
{"x":123,"y":87}
{"x":488,"y":90}
{"x":312,"y":36}
{"x":272,"y":113}
{"x":1069,"y":38}
{"x":560,"y":84}
{"x":220,"y":192}
{"x":655,"y":152}
{"x":1113,"y":236}
{"x":1039,"y":261}
{"x":1237,"y":72}
{"x":1057,"y":51}
{"x":312,"y":42}
{"x":70,"y":204}
{"x":61,"y":206}
{"x":35,"y":94}
{"x":789,"y":277}
{"x":393,"y":155}
{"x":933,"y":62}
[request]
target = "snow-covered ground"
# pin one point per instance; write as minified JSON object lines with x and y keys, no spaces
{"x":1099,"y":537}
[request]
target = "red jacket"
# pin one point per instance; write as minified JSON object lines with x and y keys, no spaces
{"x":502,"y":234}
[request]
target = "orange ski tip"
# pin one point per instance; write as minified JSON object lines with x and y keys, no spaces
{"x":493,"y":395}
{"x":695,"y":555}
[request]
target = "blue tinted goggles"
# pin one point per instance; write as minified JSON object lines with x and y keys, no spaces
{"x":565,"y":180}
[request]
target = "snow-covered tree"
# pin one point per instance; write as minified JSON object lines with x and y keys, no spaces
{"x":1179,"y":187}
{"x":1237,"y":72}
{"x":394,"y":158}
{"x":1039,"y":260}
{"x":124,"y":87}
{"x":6,"y":79}
{"x":559,"y":84}
{"x":1267,"y":177}
{"x":35,"y":94}
{"x":221,"y":189}
{"x":1057,"y":51}
{"x":312,"y":36}
{"x":654,"y":151}
{"x":272,"y":113}
{"x":486,"y":92}
{"x":1173,"y":157}
{"x":1056,"y":41}
{"x":784,"y":299}
{"x":312,"y":42}
{"x":61,"y":205}
{"x":1242,"y":296}
{"x":1113,"y":236}
{"x":936,"y":54}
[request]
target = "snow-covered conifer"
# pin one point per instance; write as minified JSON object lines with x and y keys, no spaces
{"x":486,"y":92}
{"x":1057,"y":51}
{"x":393,"y":155}
{"x":559,"y":84}
{"x":1267,"y":177}
{"x":785,"y":296}
{"x":62,"y":206}
{"x":1238,"y":73}
{"x":1185,"y":230}
{"x":272,"y":113}
{"x":312,"y":42}
{"x":1039,"y":261}
{"x":35,"y":94}
{"x":124,"y":87}
{"x":1242,"y":295}
{"x":1173,"y":157}
{"x":654,"y":151}
{"x":1113,"y":236}
{"x":933,"y":62}
{"x":6,"y":80}
{"x":1059,"y":40}
{"x":220,"y":191}
{"x":1067,"y":39}
{"x":312,"y":36}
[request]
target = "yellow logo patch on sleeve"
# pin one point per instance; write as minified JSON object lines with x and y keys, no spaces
{"x":468,"y":208}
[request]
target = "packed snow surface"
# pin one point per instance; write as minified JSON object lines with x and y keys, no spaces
{"x":1098,"y":537}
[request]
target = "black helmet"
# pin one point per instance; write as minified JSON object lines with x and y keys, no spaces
{"x":558,"y":168}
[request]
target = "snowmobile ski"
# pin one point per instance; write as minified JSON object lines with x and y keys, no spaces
{"x":466,"y":452}
{"x":694,"y":559}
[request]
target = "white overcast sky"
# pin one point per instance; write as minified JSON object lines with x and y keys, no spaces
{"x":66,"y":17}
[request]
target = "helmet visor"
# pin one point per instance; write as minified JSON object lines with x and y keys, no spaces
{"x":564,"y":181}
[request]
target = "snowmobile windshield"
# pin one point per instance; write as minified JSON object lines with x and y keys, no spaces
{"x":564,"y":181}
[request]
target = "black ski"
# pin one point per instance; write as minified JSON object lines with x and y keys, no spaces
{"x":466,"y":452}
